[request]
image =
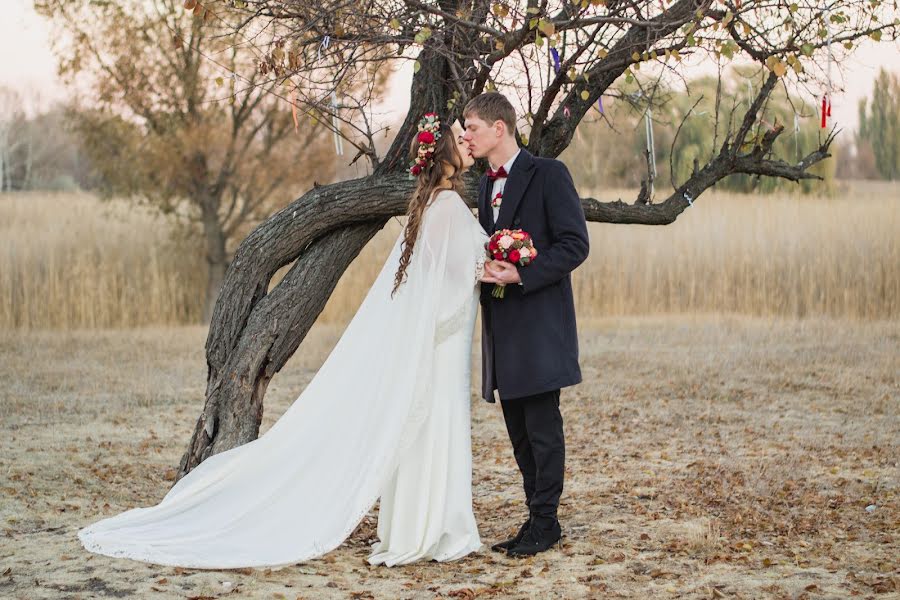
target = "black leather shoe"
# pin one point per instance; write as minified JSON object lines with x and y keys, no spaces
{"x":507,"y":544}
{"x":537,"y":539}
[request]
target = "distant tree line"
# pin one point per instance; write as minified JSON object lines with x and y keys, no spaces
{"x":872,"y":153}
{"x":50,"y":150}
{"x":39,"y":150}
{"x":878,"y":138}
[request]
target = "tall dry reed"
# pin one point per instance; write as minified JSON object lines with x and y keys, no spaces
{"x":782,"y":255}
{"x":69,"y":261}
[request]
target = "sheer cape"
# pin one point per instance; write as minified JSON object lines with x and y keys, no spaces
{"x":302,"y":487}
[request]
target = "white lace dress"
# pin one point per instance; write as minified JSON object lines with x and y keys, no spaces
{"x":387,"y":415}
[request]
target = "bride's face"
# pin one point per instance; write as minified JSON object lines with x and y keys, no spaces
{"x":462,"y":146}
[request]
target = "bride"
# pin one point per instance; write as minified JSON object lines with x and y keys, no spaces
{"x":385,"y":417}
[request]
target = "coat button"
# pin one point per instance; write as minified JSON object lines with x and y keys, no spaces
{"x":516,"y":221}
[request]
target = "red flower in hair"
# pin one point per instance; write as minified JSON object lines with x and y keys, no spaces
{"x":426,"y":137}
{"x":417,"y":168}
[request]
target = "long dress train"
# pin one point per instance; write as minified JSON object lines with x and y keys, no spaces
{"x":386,"y":415}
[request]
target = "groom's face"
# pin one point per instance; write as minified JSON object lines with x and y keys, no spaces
{"x":481,"y":136}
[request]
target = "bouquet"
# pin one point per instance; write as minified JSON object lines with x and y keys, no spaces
{"x":513,"y":246}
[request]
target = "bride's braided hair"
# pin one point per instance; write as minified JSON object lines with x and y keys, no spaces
{"x":428,"y":177}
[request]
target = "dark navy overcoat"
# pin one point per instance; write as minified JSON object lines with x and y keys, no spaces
{"x":529,"y":337}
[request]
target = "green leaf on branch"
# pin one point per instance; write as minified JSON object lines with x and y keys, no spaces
{"x":547,"y":27}
{"x":776,"y":66}
{"x":423,"y":35}
{"x":727,"y":51}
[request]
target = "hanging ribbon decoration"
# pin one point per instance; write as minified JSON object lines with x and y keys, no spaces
{"x":826,"y":110}
{"x":335,"y":122}
{"x":326,"y":41}
{"x":826,"y":98}
{"x":651,"y":147}
{"x":554,"y":54}
{"x":600,"y":105}
{"x":336,"y":125}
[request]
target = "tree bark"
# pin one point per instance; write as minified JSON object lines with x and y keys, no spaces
{"x":216,"y":256}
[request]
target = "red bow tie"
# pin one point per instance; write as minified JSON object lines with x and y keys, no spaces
{"x":499,"y":173}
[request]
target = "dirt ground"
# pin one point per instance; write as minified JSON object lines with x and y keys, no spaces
{"x":707,"y":457}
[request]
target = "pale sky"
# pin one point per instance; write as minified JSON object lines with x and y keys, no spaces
{"x":29,"y":67}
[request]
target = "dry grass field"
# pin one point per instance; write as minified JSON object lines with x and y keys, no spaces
{"x":708,"y":457}
{"x":69,"y":261}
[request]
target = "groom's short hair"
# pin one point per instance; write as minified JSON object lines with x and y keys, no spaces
{"x":490,"y":107}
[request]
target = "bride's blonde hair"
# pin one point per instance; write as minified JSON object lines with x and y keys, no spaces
{"x":445,"y":155}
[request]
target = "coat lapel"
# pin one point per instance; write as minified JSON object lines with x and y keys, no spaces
{"x":519,"y":177}
{"x":485,"y":216}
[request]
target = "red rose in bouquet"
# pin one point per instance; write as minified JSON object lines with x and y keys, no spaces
{"x":513,"y":246}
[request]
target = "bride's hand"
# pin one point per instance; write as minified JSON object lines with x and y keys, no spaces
{"x":499,"y":271}
{"x":486,"y":277}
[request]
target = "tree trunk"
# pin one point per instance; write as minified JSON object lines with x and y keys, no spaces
{"x":216,"y":257}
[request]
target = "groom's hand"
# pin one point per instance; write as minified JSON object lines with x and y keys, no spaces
{"x":498,"y":271}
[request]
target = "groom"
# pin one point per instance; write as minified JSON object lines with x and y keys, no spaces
{"x":529,"y":340}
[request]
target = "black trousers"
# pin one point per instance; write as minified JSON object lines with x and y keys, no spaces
{"x":535,"y":429}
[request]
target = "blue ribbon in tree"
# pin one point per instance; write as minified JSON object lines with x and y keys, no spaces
{"x":555,"y":56}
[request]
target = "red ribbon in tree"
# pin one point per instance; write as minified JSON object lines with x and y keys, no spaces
{"x":826,"y":110}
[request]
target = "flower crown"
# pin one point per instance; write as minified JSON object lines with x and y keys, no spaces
{"x":429,"y":134}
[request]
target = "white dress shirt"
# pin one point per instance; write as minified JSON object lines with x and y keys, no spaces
{"x":500,"y":183}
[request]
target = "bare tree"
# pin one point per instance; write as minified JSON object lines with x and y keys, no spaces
{"x":12,"y":116}
{"x":879,"y":124}
{"x":176,"y":114}
{"x":557,"y":59}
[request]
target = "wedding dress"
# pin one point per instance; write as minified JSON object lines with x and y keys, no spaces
{"x":386,"y":416}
